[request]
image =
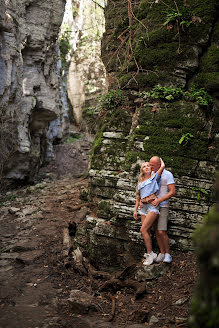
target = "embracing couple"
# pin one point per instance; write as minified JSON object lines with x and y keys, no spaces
{"x":155,"y":186}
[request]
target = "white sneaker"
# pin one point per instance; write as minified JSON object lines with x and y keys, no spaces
{"x":167,"y":258}
{"x":154,"y":255}
{"x":160,"y":258}
{"x":149,"y":259}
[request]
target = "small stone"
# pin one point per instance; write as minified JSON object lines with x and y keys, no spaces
{"x":150,"y":272}
{"x":81,"y":302}
{"x":30,"y":256}
{"x":13,"y":210}
{"x":29,"y":210}
{"x":5,"y":269}
{"x":181,"y":301}
{"x":153,"y":320}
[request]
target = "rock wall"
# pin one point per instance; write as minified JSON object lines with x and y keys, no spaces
{"x":29,"y":86}
{"x":144,"y":46}
{"x":80,"y":44}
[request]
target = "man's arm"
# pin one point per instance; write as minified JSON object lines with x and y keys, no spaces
{"x":171,"y":193}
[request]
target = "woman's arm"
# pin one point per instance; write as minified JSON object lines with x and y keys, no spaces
{"x":136,"y":208}
{"x":162,"y":166}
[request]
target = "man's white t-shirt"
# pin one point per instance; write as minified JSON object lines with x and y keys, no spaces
{"x":166,"y":179}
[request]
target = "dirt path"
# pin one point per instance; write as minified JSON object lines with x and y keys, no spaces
{"x":38,"y":291}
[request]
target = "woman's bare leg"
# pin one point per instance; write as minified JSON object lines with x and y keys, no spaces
{"x":147,"y":222}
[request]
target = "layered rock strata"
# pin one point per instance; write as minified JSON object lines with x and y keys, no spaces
{"x":29,"y":87}
{"x":143,"y":48}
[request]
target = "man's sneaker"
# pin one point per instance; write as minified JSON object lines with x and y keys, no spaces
{"x":154,"y":255}
{"x":160,"y":258}
{"x":167,"y":258}
{"x":149,"y":259}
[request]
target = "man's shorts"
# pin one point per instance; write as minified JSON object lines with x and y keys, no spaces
{"x":161,"y":222}
{"x":148,"y":208}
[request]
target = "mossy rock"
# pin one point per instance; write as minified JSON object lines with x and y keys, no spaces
{"x":215,"y":33}
{"x":205,"y":303}
{"x":208,"y":81}
{"x":153,"y":45}
{"x":162,"y":131}
{"x":210,"y":62}
{"x":162,"y":55}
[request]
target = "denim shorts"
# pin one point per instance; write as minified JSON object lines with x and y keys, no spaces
{"x":148,"y":208}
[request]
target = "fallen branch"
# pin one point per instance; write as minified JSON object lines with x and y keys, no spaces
{"x":77,"y":207}
{"x":113,"y":308}
{"x":116,"y":284}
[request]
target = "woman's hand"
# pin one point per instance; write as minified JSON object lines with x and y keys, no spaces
{"x":141,"y":204}
{"x":162,"y":164}
{"x":135,"y":215}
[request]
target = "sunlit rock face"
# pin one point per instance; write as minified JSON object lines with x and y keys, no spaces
{"x":29,"y":86}
{"x":80,"y":45}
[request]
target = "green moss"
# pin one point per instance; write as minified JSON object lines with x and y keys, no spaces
{"x":150,"y":79}
{"x":104,"y":210}
{"x":206,"y":10}
{"x":215,"y":33}
{"x":209,"y":81}
{"x":125,"y":79}
{"x":163,"y":54}
{"x":158,"y":36}
{"x":96,"y":145}
{"x":210,"y":63}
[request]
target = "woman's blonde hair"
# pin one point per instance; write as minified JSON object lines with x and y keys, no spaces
{"x":140,"y":179}
{"x":141,"y":174}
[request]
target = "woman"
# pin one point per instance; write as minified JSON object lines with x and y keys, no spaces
{"x":147,"y":187}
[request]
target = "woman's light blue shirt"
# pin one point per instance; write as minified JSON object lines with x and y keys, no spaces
{"x":149,"y":186}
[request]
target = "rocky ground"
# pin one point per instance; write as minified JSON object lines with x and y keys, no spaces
{"x":38,"y":289}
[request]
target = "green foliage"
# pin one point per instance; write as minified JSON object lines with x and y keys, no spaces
{"x":73,"y":139}
{"x":75,"y":11}
{"x":174,"y":93}
{"x":84,"y":194}
{"x":200,"y":193}
{"x":12,"y":197}
{"x":172,"y":16}
{"x":200,"y":96}
{"x":64,"y":44}
{"x":181,"y":17}
{"x":185,"y":138}
{"x":15,"y":20}
{"x":167,"y":93}
{"x":112,"y":99}
{"x":89,"y":110}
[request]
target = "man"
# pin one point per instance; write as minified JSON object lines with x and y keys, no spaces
{"x":167,"y":190}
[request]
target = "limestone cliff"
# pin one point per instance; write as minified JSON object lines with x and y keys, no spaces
{"x":29,"y":86}
{"x":159,"y":56}
{"x":80,"y":44}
